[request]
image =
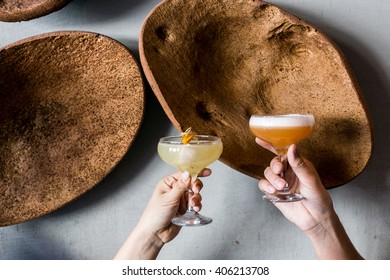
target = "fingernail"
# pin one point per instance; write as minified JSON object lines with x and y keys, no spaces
{"x":196,"y":188}
{"x":270,"y":189}
{"x":195,"y":205}
{"x":185,"y":177}
{"x":276,"y":167}
{"x":279,"y":183}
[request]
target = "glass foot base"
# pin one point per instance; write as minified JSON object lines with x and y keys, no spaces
{"x":283,"y":197}
{"x":191,"y":219}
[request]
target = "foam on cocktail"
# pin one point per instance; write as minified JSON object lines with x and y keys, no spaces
{"x":291,"y":120}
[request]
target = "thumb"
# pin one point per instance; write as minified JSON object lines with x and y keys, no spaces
{"x":302,"y":168}
{"x":179,"y":187}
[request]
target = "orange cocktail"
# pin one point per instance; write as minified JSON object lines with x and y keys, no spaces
{"x":281,"y":131}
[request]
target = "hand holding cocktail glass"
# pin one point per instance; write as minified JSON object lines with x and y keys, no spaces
{"x":192,"y":157}
{"x":281,"y":131}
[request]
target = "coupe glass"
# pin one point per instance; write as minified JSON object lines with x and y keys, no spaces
{"x":281,"y":131}
{"x":200,"y":152}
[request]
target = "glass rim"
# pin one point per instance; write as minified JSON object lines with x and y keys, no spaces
{"x":282,"y":115}
{"x":281,"y":120}
{"x":177,"y":139}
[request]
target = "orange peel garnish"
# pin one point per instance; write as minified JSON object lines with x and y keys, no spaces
{"x":187,"y":135}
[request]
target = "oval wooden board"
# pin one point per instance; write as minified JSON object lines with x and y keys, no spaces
{"x":72,"y":104}
{"x":212,"y":64}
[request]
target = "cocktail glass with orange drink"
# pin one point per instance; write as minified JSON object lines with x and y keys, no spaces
{"x":198,"y":153}
{"x":281,"y":131}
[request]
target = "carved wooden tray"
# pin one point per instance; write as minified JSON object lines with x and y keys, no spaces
{"x":72,"y":104}
{"x":212,"y":64}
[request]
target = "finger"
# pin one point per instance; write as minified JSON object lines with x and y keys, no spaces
{"x":171,"y":179}
{"x":205,"y":172}
{"x":197,"y":186}
{"x":265,"y":145}
{"x":179,"y":187}
{"x":266,"y":186}
{"x":196,"y":202}
{"x":165,"y":185}
{"x":196,"y":198}
{"x":197,"y":207}
{"x":274,"y":179}
{"x":276,"y":165}
{"x":302,"y":168}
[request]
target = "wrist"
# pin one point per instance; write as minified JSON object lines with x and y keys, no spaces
{"x":141,"y":244}
{"x":326,"y":223}
{"x":150,"y":240}
{"x":330,"y":240}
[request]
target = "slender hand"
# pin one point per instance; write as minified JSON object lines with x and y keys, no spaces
{"x":315,"y":214}
{"x":154,"y":229}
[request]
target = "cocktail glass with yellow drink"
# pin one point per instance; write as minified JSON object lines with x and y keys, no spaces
{"x":281,"y":131}
{"x":198,"y":153}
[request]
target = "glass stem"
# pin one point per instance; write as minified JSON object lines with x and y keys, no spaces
{"x":190,"y":193}
{"x":283,"y":159}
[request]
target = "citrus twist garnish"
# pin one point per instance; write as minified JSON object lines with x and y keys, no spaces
{"x":187,"y":135}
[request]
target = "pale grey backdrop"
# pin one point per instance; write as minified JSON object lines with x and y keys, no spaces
{"x":244,"y":227}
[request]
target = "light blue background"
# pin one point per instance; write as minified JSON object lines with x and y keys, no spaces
{"x":245,"y":227}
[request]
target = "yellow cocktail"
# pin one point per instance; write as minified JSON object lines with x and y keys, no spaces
{"x":281,"y":131}
{"x":191,"y":157}
{"x":200,"y":152}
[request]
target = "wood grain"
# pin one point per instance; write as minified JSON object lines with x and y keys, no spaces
{"x":72,"y":104}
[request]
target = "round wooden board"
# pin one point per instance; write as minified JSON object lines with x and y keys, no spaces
{"x":72,"y":104}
